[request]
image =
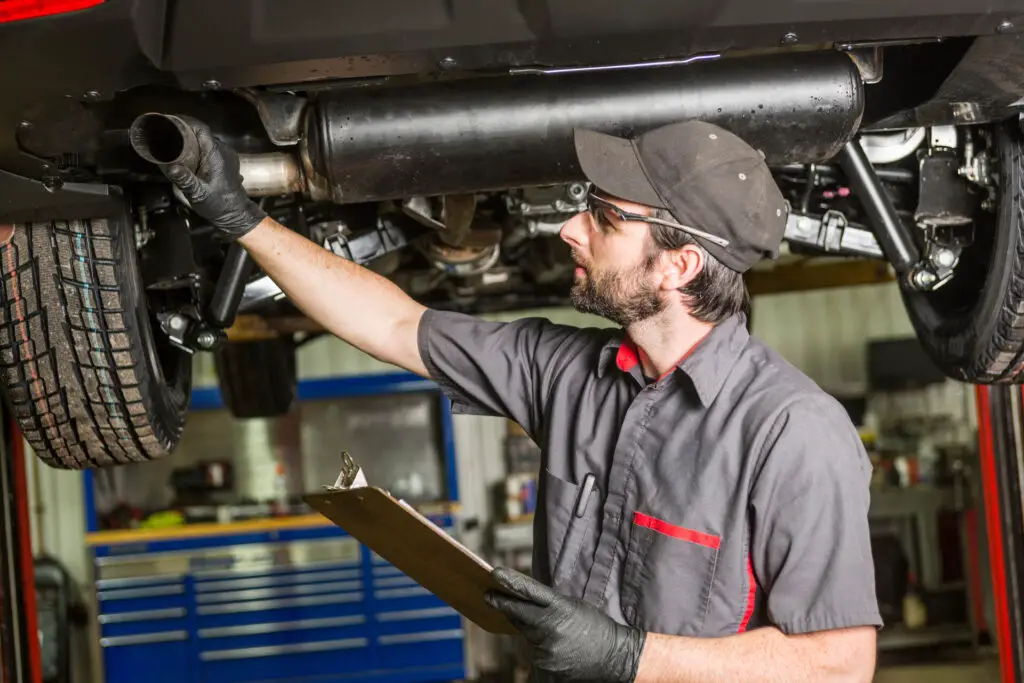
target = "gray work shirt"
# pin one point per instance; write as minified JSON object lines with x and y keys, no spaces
{"x":729,"y":494}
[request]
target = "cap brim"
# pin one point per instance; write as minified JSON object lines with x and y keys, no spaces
{"x":612,"y":165}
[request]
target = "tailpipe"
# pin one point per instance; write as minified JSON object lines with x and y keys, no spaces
{"x":164,"y":139}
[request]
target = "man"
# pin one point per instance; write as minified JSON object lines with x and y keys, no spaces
{"x":703,"y":512}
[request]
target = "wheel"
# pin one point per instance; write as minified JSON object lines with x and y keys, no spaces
{"x":973,"y":326}
{"x":257,"y":378}
{"x":83,"y":373}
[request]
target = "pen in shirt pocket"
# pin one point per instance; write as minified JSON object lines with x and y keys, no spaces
{"x":584,"y":497}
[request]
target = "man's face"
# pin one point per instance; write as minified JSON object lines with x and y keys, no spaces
{"x":615,"y":274}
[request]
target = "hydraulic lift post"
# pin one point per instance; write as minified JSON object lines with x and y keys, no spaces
{"x":20,"y":660}
{"x":1001,"y":452}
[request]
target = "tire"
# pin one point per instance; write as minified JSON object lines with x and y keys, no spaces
{"x":973,"y":326}
{"x":84,"y":375}
{"x":257,"y":378}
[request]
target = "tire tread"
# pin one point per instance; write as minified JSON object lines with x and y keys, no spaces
{"x":71,"y":351}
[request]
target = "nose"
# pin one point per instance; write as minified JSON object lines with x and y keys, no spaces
{"x":574,"y":232}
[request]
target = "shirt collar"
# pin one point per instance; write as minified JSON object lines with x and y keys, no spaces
{"x":707,"y":364}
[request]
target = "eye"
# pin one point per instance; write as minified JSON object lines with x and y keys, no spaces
{"x":604,"y":223}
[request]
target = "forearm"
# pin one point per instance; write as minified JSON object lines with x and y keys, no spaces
{"x":350,"y":301}
{"x":764,"y":655}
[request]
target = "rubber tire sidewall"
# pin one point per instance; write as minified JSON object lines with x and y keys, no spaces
{"x":966,"y":347}
{"x":168,"y":403}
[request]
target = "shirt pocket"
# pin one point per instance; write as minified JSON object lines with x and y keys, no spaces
{"x":567,"y":519}
{"x":667,"y":576}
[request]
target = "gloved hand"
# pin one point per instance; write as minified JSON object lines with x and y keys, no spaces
{"x":215,"y":190}
{"x":568,"y":638}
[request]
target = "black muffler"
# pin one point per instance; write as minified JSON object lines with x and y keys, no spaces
{"x":491,"y":133}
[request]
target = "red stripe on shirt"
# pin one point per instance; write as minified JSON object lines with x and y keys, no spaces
{"x":663,"y":527}
{"x":751,"y":593}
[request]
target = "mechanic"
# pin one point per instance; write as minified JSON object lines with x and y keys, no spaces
{"x":703,"y":505}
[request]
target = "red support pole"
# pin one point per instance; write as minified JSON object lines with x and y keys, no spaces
{"x":24,"y":524}
{"x":994,"y":527}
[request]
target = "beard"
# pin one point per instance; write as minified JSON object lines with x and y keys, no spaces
{"x":625,"y":297}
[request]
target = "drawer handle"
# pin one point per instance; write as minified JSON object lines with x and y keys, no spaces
{"x":394,"y":582}
{"x":279,"y":604}
{"x":400,"y":592}
{"x":425,"y":637}
{"x":142,"y":615}
{"x":274,"y":650}
{"x":144,"y":639}
{"x":411,"y":614}
{"x":106,"y":584}
{"x":280,"y":627}
{"x":387,"y":571}
{"x":243,"y":572}
{"x":129,"y":593}
{"x":263,"y":593}
{"x":269,"y":581}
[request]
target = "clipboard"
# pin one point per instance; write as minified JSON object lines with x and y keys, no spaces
{"x":408,"y":540}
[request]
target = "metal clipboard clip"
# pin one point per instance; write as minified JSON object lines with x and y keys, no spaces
{"x":351,"y":475}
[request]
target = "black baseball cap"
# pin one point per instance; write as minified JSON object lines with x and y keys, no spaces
{"x":705,"y":176}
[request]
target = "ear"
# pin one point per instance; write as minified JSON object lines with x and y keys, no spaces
{"x":681,"y":266}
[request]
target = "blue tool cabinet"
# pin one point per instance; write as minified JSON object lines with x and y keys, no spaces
{"x":295,"y":602}
{"x":323,"y":607}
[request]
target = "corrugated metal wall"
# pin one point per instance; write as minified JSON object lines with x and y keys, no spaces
{"x":825,"y":333}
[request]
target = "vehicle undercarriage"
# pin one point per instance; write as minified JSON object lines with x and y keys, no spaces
{"x":453,"y":179}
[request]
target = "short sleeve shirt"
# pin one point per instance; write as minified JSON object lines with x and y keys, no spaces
{"x":729,"y":494}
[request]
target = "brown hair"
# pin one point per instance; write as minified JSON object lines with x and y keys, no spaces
{"x":717,"y":292}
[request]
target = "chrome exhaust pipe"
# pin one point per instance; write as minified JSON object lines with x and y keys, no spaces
{"x":165,"y":139}
{"x":271,"y":174}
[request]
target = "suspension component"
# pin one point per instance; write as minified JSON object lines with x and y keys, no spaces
{"x":893,"y":235}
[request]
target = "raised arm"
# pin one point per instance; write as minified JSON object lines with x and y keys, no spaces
{"x":352,"y":302}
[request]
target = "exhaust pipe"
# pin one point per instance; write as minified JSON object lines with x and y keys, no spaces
{"x":474,"y":135}
{"x":164,"y":139}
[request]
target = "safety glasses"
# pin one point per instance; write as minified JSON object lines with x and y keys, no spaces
{"x":595,"y":204}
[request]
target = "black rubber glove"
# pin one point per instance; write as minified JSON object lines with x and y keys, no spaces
{"x":568,"y":638}
{"x":215,"y":191}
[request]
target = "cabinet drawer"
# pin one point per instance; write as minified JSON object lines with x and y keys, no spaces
{"x":139,"y":582}
{"x":147,"y":621}
{"x":256,"y":594}
{"x":269,"y":634}
{"x":397,"y":581}
{"x":280,"y":610}
{"x":424,"y":649}
{"x":141,"y":599}
{"x":297,"y":662}
{"x":162,"y":658}
{"x":329,"y":575}
{"x":406,"y":599}
{"x":417,"y":620}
